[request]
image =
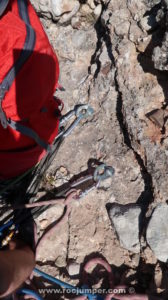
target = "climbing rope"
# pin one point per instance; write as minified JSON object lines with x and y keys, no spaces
{"x":82,"y":293}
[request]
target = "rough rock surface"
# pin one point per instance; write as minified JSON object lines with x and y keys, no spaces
{"x":157,"y":232}
{"x":116,"y":62}
{"x":125,"y":219}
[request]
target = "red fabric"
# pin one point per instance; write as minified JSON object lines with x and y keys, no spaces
{"x":30,"y":98}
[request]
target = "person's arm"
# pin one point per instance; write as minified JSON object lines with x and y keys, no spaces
{"x":16,"y":266}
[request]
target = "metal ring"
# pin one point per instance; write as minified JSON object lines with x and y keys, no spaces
{"x":103,"y":172}
{"x":84,"y":111}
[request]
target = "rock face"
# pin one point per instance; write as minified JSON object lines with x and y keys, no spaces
{"x":60,"y":7}
{"x":126,"y":222}
{"x":58,"y":10}
{"x":157,"y":232}
{"x":160,"y":55}
{"x":113,"y":55}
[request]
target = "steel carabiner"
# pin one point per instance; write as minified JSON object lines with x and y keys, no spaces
{"x":81,"y":112}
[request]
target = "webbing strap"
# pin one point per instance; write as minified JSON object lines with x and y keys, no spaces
{"x":30,"y":133}
{"x":24,"y":55}
{"x":3,"y":6}
{"x":11,"y":75}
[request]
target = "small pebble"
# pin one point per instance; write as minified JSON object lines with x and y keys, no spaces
{"x":43,"y":224}
{"x":60,"y":262}
{"x":63,"y":170}
{"x":73,"y":269}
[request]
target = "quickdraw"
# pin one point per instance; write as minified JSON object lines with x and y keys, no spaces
{"x":75,"y":190}
{"x":8,"y":230}
{"x":80,"y":112}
